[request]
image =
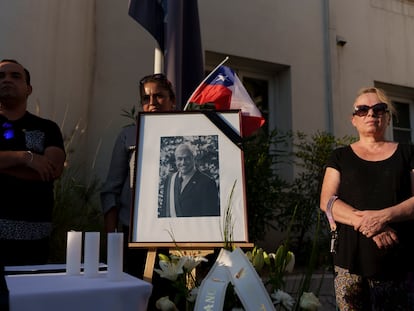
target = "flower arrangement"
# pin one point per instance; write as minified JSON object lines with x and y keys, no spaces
{"x":270,"y":268}
{"x":180,"y":267}
{"x":277,"y":266}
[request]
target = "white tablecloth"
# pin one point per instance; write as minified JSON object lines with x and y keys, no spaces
{"x":59,"y":292}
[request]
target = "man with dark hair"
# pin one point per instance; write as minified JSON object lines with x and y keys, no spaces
{"x":31,"y":157}
{"x":26,"y":72}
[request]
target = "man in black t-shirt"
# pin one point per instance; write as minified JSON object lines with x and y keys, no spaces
{"x":31,"y":157}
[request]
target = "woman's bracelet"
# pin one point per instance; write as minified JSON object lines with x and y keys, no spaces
{"x":328,"y":212}
{"x":30,"y":155}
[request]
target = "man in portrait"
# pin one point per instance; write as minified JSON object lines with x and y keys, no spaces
{"x":188,"y":192}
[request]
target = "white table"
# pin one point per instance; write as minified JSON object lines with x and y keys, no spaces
{"x":59,"y":292}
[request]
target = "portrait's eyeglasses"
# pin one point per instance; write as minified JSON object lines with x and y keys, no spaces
{"x":154,"y":77}
{"x":377,"y":110}
{"x":8,"y":131}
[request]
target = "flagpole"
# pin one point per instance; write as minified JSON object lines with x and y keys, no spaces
{"x":158,"y":61}
{"x":208,"y":76}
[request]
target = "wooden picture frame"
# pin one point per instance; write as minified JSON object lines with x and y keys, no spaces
{"x":216,"y":144}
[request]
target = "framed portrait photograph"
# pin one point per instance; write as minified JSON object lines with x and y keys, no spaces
{"x":188,"y":184}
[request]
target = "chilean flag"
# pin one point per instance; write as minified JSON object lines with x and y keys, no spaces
{"x":223,"y":90}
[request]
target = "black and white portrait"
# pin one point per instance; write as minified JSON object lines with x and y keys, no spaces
{"x":189,"y":176}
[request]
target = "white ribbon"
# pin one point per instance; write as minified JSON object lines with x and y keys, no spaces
{"x":172,"y":195}
{"x":232,"y":267}
{"x":212,"y":291}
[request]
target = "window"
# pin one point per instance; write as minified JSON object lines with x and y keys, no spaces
{"x":258,"y":89}
{"x":401,"y":124}
{"x":403,"y":121}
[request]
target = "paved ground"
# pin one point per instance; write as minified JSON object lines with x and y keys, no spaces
{"x":326,"y":292}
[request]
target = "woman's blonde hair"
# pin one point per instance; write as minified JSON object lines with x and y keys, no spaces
{"x":382,"y":96}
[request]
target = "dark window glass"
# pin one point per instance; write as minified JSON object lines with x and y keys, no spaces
{"x":401,"y":123}
{"x":258,"y":90}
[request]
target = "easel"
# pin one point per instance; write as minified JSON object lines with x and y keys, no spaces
{"x":202,"y":248}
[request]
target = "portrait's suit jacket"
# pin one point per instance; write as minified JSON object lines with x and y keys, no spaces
{"x":199,"y":197}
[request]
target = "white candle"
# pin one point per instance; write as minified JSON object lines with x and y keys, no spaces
{"x":115,"y":255}
{"x":73,"y":252}
{"x":91,"y":265}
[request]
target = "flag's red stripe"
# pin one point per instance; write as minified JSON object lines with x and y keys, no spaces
{"x":217,"y":94}
{"x":251,"y":124}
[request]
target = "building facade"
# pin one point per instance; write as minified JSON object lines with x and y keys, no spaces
{"x":303,"y":61}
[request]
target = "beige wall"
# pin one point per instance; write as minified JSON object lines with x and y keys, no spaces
{"x":55,"y":41}
{"x":87,"y":56}
{"x":380,"y":47}
{"x":276,"y":32}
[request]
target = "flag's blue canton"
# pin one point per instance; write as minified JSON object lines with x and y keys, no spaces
{"x":224,"y":77}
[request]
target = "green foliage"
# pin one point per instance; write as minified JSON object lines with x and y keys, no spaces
{"x":76,"y":208}
{"x":277,"y":271}
{"x":228,"y":223}
{"x":264,"y":188}
{"x":76,"y":205}
{"x":132,"y":115}
{"x":310,"y":155}
{"x":272,"y":200}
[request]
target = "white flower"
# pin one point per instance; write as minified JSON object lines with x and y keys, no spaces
{"x":309,"y":301}
{"x":192,"y":261}
{"x":192,"y":296}
{"x":165,"y":304}
{"x":290,"y":259}
{"x":171,"y":269}
{"x":281,"y":297}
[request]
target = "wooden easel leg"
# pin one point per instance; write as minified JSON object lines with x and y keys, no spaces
{"x":149,"y":264}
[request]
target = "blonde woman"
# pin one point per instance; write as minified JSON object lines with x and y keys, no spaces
{"x":367,"y":192}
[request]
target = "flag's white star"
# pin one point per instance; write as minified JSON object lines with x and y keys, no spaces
{"x":221,"y":77}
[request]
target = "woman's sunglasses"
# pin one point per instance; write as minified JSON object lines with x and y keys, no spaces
{"x":377,"y":110}
{"x":154,"y":77}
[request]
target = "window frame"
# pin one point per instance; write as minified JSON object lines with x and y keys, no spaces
{"x":410,"y":103}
